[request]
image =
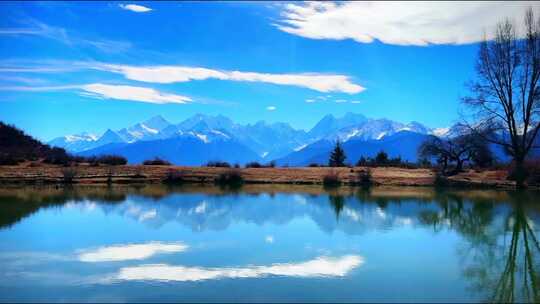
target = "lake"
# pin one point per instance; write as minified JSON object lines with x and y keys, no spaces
{"x":268,"y":243}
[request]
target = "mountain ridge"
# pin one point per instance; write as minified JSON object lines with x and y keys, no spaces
{"x":259,"y":141}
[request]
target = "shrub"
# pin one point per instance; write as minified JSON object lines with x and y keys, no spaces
{"x":156,"y":162}
{"x":57,"y":156}
{"x":253,"y":165}
{"x":331,"y":180}
{"x":364,"y":178}
{"x":68,"y":174}
{"x":440,"y":180}
{"x":314,"y":165}
{"x":271,"y":164}
{"x":113,"y":160}
{"x":229,"y":178}
{"x":221,"y":164}
{"x":174,"y":176}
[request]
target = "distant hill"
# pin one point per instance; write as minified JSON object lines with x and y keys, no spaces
{"x":182,"y":150}
{"x":16,"y":146}
{"x":404,"y":144}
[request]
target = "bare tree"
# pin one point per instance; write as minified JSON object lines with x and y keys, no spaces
{"x":505,"y":97}
{"x":458,"y":149}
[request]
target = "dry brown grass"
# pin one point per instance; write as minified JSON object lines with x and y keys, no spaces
{"x":390,"y":176}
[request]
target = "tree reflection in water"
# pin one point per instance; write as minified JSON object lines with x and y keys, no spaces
{"x":337,"y":202}
{"x":500,"y":256}
{"x":499,"y":253}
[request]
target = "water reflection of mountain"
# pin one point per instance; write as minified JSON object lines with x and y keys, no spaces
{"x":201,"y":212}
{"x":497,"y":230}
{"x":354,"y":210}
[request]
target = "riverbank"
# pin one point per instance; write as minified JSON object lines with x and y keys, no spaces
{"x":28,"y":173}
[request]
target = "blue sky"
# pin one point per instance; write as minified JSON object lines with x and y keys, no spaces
{"x":72,"y":67}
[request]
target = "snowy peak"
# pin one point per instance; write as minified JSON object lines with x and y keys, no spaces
{"x":376,"y":129}
{"x":329,"y":124}
{"x":156,"y":123}
{"x":268,"y":140}
{"x":109,"y":137}
{"x":213,"y":122}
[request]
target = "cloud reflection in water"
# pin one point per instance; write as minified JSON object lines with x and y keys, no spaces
{"x":319,"y":267}
{"x":129,"y":252}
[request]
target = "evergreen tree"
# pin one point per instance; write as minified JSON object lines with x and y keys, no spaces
{"x":381,"y":158}
{"x":337,"y":157}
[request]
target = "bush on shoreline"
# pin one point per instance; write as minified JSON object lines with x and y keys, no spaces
{"x":218,"y":164}
{"x":271,"y":164}
{"x":113,"y":160}
{"x":174,"y":176}
{"x":156,"y":162}
{"x":68,"y":175}
{"x":231,"y":178}
{"x":364,"y":178}
{"x":331,"y":179}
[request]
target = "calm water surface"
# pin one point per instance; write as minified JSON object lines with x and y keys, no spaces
{"x":268,"y":243}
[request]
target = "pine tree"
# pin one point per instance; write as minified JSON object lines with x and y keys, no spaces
{"x":337,"y":157}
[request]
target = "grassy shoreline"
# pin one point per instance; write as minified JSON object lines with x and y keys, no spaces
{"x":127,"y":174}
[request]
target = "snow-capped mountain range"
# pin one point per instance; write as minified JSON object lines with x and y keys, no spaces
{"x":267,"y":141}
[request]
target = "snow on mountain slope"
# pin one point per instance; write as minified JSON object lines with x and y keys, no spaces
{"x":268,"y":140}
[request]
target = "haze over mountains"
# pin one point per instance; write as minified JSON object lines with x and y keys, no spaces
{"x":203,"y":138}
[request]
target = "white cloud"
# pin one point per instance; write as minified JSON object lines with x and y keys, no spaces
{"x":340,"y":100}
{"x":129,"y":252}
{"x":271,"y":108}
{"x":135,"y":8}
{"x":125,"y":92}
{"x":319,"y":267}
{"x":269,"y":239}
{"x":356,"y":101}
{"x":172,"y":74}
{"x":400,"y":23}
{"x":310,"y":100}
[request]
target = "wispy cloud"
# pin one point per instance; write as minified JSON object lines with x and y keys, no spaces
{"x":340,"y":101}
{"x":36,"y":28}
{"x":38,"y":88}
{"x":25,"y":80}
{"x":271,"y":108}
{"x":109,"y":91}
{"x":172,"y":74}
{"x":125,"y":92}
{"x":311,"y":100}
{"x":400,"y":23}
{"x":135,"y":8}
